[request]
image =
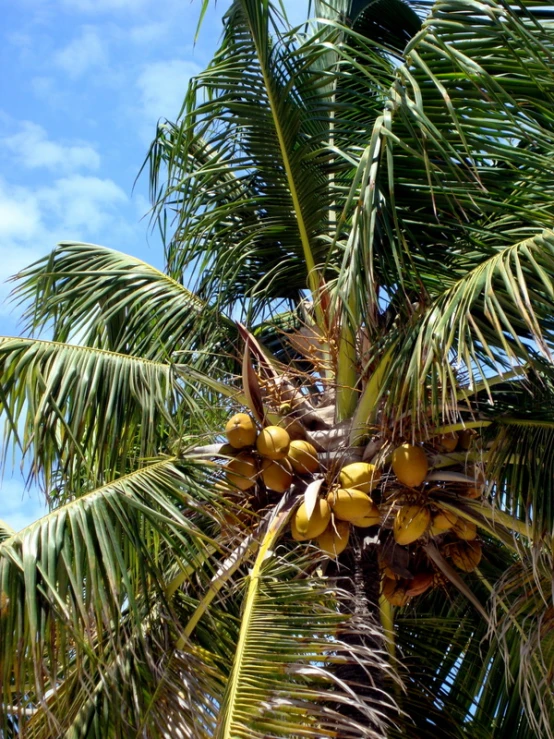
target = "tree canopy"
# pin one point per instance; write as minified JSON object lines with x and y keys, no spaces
{"x":359,"y":229}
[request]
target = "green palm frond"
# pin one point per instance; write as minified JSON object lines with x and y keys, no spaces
{"x":489,"y":321}
{"x":250,"y":170}
{"x":289,"y":639}
{"x":76,"y":410}
{"x":460,"y":161}
{"x":83,"y":580}
{"x":113,"y":301}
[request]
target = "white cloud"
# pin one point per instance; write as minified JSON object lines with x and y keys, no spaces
{"x":33,"y":220}
{"x":32,"y":148}
{"x":81,"y":205}
{"x":83,"y":53}
{"x":162,"y":87}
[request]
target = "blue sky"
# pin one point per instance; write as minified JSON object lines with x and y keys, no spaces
{"x":83,"y":83}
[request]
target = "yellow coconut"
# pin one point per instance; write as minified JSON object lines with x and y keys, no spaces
{"x":360,"y":476}
{"x":448,"y":442}
{"x":464,"y":529}
{"x":349,"y":505}
{"x":241,"y":471}
{"x":273,"y":442}
{"x":410,"y":523}
{"x":442,"y":521}
{"x":390,"y":573}
{"x":409,"y":464}
{"x":466,"y":555}
{"x":334,"y":539}
{"x":303,"y":457}
{"x":420,"y":582}
{"x":394,"y":592}
{"x":370,"y":519}
{"x":303,"y":528}
{"x":277,"y":475}
{"x":240,"y":431}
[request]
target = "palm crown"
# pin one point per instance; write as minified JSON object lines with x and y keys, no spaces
{"x":361,"y":208}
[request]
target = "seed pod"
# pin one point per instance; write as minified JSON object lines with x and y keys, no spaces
{"x":448,"y":442}
{"x":410,"y":465}
{"x":410,"y":523}
{"x":395,"y":592}
{"x":360,"y":476}
{"x":240,"y":430}
{"x":241,"y":471}
{"x":273,"y":442}
{"x":277,"y":476}
{"x":370,"y":519}
{"x":303,"y":457}
{"x":466,"y":555}
{"x":334,"y":539}
{"x":420,"y":582}
{"x":442,"y":521}
{"x":349,"y":505}
{"x":464,"y":529}
{"x":304,"y":528}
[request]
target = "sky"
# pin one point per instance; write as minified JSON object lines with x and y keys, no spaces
{"x":82,"y":86}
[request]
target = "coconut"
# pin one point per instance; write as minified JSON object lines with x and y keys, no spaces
{"x":442,"y":521}
{"x":464,"y":529}
{"x":303,"y":528}
{"x":241,"y":471}
{"x":420,"y":582}
{"x":273,"y":442}
{"x":303,"y":457}
{"x":409,"y":464}
{"x":410,"y":523}
{"x":348,"y":504}
{"x":369,"y":519}
{"x":448,"y":442}
{"x":334,"y":539}
{"x":360,"y":476}
{"x":277,"y":475}
{"x":395,"y":592}
{"x":466,"y":555}
{"x":240,"y":431}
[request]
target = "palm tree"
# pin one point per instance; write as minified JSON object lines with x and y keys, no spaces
{"x":361,"y":209}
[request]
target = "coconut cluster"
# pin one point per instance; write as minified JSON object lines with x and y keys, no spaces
{"x":420,"y":516}
{"x":347,"y":503}
{"x":269,"y":455}
{"x":398,"y":499}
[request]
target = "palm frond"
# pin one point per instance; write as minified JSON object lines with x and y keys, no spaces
{"x":250,"y":170}
{"x":489,"y":321}
{"x":81,"y":582}
{"x":77,"y":410}
{"x":290,"y":637}
{"x":114,"y":301}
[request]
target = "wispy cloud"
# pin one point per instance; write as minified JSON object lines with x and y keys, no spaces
{"x":31,"y":148}
{"x":83,"y":53}
{"x":33,"y":220}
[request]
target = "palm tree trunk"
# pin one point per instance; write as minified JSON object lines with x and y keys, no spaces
{"x":357,"y":573}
